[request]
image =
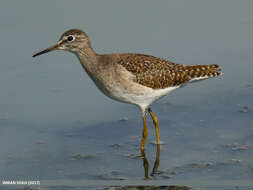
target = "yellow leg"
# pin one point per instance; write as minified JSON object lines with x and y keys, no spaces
{"x":155,"y":121}
{"x":157,"y":160}
{"x":145,"y":164}
{"x":145,"y":132}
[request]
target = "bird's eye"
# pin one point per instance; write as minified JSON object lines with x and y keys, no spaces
{"x":70,"y":38}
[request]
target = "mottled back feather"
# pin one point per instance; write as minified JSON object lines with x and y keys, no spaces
{"x":158,"y":73}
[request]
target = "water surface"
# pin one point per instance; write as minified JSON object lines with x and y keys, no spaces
{"x":55,"y":125}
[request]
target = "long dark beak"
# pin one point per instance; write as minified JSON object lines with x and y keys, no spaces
{"x":54,"y":47}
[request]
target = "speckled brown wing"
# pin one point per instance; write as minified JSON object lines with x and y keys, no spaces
{"x":157,"y":73}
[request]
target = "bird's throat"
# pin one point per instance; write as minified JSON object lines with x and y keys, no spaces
{"x":88,"y":60}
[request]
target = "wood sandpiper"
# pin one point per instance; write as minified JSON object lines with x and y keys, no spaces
{"x":130,"y":77}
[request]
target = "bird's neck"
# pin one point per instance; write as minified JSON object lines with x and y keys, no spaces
{"x":88,"y":59}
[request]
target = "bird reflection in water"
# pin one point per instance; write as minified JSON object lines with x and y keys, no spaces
{"x":172,"y":187}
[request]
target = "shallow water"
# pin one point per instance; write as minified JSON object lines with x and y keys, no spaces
{"x":56,"y":127}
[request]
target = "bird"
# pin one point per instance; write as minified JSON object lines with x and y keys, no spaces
{"x":132,"y":78}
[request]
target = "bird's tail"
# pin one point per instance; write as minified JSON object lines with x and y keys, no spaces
{"x":199,"y":72}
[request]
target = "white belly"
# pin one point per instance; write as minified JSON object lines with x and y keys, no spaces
{"x":144,"y":100}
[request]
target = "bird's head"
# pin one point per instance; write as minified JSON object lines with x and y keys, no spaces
{"x":73,"y":40}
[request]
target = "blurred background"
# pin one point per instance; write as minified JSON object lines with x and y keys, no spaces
{"x":50,"y":110}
